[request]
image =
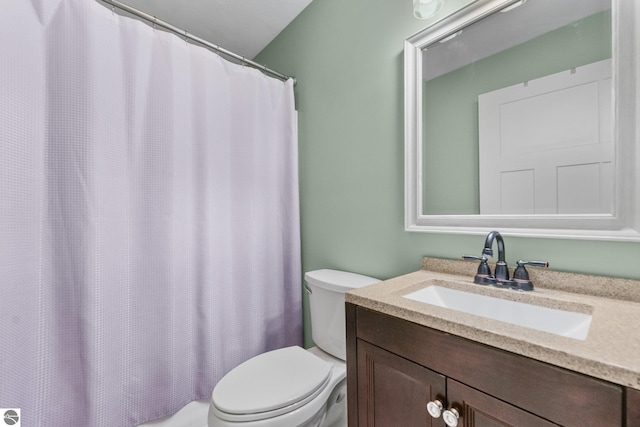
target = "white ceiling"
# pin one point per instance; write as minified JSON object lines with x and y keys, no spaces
{"x":524,"y":23}
{"x":244,"y":27}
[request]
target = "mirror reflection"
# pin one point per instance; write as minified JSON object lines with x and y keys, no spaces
{"x":517,"y":113}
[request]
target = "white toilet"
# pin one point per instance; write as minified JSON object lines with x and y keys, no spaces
{"x":293,"y":387}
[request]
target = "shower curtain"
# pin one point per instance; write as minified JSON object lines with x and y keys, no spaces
{"x":149,"y":229}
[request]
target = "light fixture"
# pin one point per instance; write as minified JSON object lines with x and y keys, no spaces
{"x":450,"y":37}
{"x":514,"y":5}
{"x":425,"y":9}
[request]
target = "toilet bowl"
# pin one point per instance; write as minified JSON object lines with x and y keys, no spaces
{"x":285,"y":387}
{"x":294,"y":387}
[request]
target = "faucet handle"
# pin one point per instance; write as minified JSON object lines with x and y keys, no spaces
{"x":521,"y":275}
{"x":544,"y":264}
{"x":483,"y":275}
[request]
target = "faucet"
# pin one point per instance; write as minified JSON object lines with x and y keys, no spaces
{"x":502,"y":271}
{"x":483,"y":276}
{"x":501,"y":279}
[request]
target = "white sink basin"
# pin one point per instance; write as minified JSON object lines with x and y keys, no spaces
{"x":560,"y":322}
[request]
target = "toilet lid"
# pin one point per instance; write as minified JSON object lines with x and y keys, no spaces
{"x":271,"y":381}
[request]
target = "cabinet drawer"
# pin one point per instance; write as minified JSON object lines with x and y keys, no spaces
{"x":561,"y":396}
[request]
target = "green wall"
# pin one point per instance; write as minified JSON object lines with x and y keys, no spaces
{"x":450,"y":105}
{"x":348,"y":59}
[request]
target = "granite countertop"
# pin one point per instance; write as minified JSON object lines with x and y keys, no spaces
{"x":611,"y":350}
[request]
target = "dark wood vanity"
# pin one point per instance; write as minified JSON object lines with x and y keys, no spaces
{"x":408,"y":360}
{"x":396,"y":367}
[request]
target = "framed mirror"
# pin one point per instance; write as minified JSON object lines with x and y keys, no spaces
{"x":520,"y":115}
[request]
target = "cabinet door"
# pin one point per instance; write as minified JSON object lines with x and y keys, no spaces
{"x":393,"y":391}
{"x":477,"y":409}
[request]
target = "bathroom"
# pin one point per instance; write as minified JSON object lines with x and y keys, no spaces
{"x":347,"y":58}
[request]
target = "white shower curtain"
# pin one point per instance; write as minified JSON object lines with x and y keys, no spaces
{"x":149,"y":230}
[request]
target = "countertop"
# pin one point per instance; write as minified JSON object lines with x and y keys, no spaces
{"x":611,"y":350}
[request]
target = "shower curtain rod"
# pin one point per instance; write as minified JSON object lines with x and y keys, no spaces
{"x":186,"y":35}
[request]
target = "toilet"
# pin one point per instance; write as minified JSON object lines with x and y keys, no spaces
{"x":294,"y":387}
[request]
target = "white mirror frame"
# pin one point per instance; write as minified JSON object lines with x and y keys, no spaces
{"x":622,"y":225}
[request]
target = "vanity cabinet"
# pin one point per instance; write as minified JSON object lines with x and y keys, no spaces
{"x":393,"y":391}
{"x":395,"y":367}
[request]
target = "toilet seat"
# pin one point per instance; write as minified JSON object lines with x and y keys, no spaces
{"x":270,"y":384}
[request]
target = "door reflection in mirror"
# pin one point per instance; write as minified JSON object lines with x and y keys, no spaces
{"x":516,"y":121}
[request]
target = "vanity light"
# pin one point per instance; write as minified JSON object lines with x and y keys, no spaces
{"x":513,"y":6}
{"x":452,"y":36}
{"x":425,"y":9}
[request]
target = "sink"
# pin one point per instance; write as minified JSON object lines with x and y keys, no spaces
{"x":560,"y":322}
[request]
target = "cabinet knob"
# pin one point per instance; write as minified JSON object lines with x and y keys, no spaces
{"x":434,"y":408}
{"x":450,"y":417}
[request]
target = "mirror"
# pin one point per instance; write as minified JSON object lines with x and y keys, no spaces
{"x":520,"y":116}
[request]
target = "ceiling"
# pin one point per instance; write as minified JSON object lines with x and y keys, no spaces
{"x":244,"y":27}
{"x":519,"y":25}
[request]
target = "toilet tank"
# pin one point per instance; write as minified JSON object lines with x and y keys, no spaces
{"x":326,"y":290}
